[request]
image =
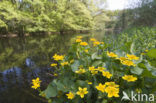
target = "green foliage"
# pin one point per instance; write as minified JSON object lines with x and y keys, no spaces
{"x":69,"y":80}
{"x":133,"y":40}
{"x":28,"y":16}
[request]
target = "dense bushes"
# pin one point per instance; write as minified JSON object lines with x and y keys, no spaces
{"x":26,"y":16}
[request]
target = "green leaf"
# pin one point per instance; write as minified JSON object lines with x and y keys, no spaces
{"x":96,"y":63}
{"x":132,"y":48}
{"x":60,"y":86}
{"x":51,"y":90}
{"x":152,"y":53}
{"x":136,"y":70}
{"x":75,"y":65}
{"x":81,"y":83}
{"x":95,"y":56}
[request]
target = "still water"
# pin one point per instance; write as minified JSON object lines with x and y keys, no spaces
{"x":22,"y":59}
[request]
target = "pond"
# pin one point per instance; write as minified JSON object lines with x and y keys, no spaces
{"x":22,"y":59}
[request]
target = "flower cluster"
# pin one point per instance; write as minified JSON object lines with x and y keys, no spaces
{"x":124,"y":60}
{"x":110,"y":88}
{"x":128,"y":61}
{"x":36,"y":83}
{"x":64,"y":63}
{"x":94,"y":70}
{"x":58,"y":57}
{"x":95,"y":42}
{"x":78,"y":72}
{"x":81,"y":92}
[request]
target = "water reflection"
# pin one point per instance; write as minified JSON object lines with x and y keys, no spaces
{"x":22,"y":59}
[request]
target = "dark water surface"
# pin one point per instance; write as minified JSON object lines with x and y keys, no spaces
{"x":22,"y":59}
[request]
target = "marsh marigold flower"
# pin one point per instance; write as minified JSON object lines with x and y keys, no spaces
{"x":80,"y":71}
{"x":101,"y":87}
{"x":84,"y":43}
{"x":112,"y":91}
{"x":107,"y":74}
{"x":93,"y":39}
{"x":146,"y":50}
{"x":111,"y":54}
{"x":91,"y":68}
{"x":82,"y":92}
{"x":94,"y":72}
{"x":64,"y":63}
{"x":129,"y":78}
{"x":128,"y":62}
{"x":58,"y":57}
{"x":132,"y":57}
{"x":122,"y":59}
{"x":78,"y":40}
{"x":101,"y":69}
{"x":112,"y":84}
{"x":70,"y":95}
{"x":36,"y":83}
{"x":90,"y":83}
{"x":86,"y":50}
{"x":55,"y":74}
{"x":53,"y":64}
{"x":96,"y":43}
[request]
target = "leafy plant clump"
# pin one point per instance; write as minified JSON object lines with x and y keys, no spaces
{"x":90,"y":73}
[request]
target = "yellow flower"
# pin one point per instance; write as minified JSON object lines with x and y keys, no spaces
{"x":111,"y":84}
{"x":90,"y":83}
{"x":93,"y":39}
{"x":82,"y":92}
{"x":91,"y":68}
{"x":111,"y":54}
{"x":122,"y":58}
{"x":70,"y":95}
{"x":101,"y":87}
{"x":55,"y":74}
{"x":86,"y":50}
{"x":64,"y":63}
{"x":142,"y":53}
{"x":132,"y":57}
{"x":129,"y":78}
{"x":107,"y":74}
{"x":146,"y":50}
{"x":101,"y":69}
{"x":96,"y":43}
{"x":79,"y":37}
{"x":84,"y":43}
{"x":78,"y":40}
{"x":112,"y":91}
{"x":128,"y":62}
{"x":58,"y":57}
{"x":80,"y":71}
{"x":36,"y":83}
{"x":94,"y":72}
{"x":72,"y":61}
{"x":53,"y":64}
